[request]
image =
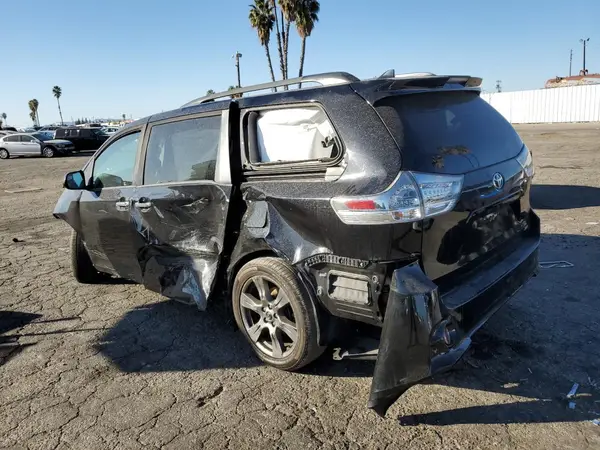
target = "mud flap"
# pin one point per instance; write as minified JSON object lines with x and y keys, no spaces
{"x":405,"y":350}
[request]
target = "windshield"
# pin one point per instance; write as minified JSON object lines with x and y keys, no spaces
{"x":43,"y":136}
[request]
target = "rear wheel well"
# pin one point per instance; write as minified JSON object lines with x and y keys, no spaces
{"x":233,"y":271}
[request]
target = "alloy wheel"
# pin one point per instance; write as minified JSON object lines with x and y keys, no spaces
{"x":268,"y":317}
{"x":3,"y":154}
{"x":48,"y":152}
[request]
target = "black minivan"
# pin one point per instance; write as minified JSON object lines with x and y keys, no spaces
{"x":400,"y":202}
{"x":82,"y":138}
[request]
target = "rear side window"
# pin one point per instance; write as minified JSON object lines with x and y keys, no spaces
{"x":450,"y":123}
{"x":185,"y":150}
{"x":289,"y":135}
{"x":11,"y":139}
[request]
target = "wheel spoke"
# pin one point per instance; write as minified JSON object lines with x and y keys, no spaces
{"x":255,"y":331}
{"x":263,"y":290}
{"x":250,"y":302}
{"x":276,"y":344}
{"x":288,"y":327}
{"x":281,"y":301}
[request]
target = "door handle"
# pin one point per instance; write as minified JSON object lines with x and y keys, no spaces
{"x":122,"y":204}
{"x":143,"y":203}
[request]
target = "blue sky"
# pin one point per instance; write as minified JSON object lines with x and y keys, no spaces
{"x":139,"y":57}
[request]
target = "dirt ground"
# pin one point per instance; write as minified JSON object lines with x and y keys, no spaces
{"x":115,"y":366}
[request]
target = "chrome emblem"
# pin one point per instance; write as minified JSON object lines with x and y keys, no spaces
{"x":498,"y":181}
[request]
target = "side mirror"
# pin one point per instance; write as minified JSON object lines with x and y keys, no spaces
{"x":75,"y":180}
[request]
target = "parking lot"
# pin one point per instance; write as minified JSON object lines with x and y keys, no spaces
{"x":116,"y":366}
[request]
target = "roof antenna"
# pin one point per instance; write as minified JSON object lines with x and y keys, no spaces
{"x":388,"y":74}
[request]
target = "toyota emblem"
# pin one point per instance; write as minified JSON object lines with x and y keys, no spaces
{"x":498,"y":181}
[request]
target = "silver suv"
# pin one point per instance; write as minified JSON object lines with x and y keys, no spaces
{"x":34,"y":144}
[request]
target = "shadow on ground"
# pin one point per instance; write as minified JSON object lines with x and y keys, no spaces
{"x":550,"y":333}
{"x":550,"y":196}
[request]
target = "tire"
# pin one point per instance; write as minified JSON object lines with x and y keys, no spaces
{"x":81,"y":264}
{"x":4,"y":153}
{"x":48,"y":152}
{"x":262,"y":324}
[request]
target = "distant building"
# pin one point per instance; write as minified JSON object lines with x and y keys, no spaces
{"x":576,"y":80}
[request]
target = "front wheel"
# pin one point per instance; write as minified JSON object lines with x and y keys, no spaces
{"x":81,"y":264}
{"x":4,"y":153}
{"x":276,"y":314}
{"x":48,"y":152}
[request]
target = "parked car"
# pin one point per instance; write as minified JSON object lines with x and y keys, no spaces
{"x":6,"y":132}
{"x":33,"y":144}
{"x":82,"y":138}
{"x":400,"y":202}
{"x":9,"y":129}
{"x":110,"y":130}
{"x":51,"y":128}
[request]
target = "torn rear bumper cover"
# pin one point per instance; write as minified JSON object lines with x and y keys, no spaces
{"x":425,"y":333}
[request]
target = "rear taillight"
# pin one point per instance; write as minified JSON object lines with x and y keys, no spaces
{"x":413,"y":196}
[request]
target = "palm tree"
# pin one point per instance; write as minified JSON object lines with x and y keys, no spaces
{"x":231,"y":88}
{"x":123,"y":116}
{"x":289,"y":8}
{"x":262,"y":18}
{"x":307,"y":16}
{"x":4,"y":119}
{"x":279,"y":47}
{"x":33,"y":107}
{"x":57,"y":91}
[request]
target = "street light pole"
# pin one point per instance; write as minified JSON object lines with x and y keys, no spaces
{"x":237,"y":57}
{"x":584,"y":42}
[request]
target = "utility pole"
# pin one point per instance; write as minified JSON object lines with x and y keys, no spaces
{"x":584,"y":42}
{"x":498,"y":85}
{"x":570,"y":62}
{"x":237,"y":57}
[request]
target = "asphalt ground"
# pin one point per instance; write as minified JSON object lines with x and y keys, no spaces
{"x":116,"y":366}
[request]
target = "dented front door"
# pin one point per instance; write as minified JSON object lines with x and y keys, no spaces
{"x":181,"y":209}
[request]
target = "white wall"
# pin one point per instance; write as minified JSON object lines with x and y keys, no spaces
{"x":564,"y":104}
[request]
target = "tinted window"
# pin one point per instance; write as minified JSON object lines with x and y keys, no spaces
{"x":27,"y":138}
{"x":11,"y":139}
{"x":115,"y":165}
{"x":183,"y":151}
{"x":450,"y":123}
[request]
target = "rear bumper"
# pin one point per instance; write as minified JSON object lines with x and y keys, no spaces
{"x":425,"y":333}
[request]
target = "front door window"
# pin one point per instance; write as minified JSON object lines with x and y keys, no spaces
{"x":115,"y":165}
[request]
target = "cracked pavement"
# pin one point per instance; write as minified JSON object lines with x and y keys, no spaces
{"x":115,"y":366}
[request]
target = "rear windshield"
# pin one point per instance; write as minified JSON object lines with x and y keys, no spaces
{"x":449,"y":123}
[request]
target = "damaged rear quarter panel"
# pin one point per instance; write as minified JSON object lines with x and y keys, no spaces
{"x":291,"y":216}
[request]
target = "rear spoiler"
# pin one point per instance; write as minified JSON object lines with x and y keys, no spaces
{"x":408,"y":83}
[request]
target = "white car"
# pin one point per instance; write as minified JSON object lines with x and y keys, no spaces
{"x":110,"y":130}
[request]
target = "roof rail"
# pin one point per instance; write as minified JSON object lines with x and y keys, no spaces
{"x":324,"y":79}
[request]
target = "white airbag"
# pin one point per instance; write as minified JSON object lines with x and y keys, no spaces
{"x":293,"y":134}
